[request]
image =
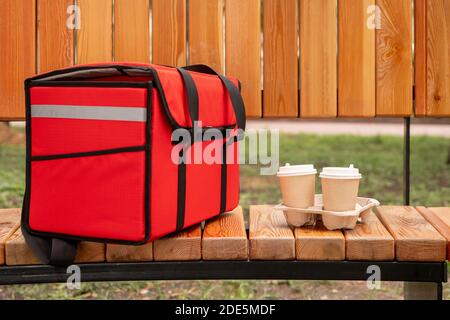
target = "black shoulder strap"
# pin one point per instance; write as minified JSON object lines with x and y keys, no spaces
{"x":52,"y":251}
{"x":233,"y":91}
{"x":192,"y":95}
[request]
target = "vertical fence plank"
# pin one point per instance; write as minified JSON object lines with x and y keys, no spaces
{"x":318,"y":46}
{"x":169,"y":32}
{"x":280,"y":59}
{"x":206,"y":33}
{"x":55,"y":37}
{"x":438,"y":57}
{"x":243,"y":50}
{"x":394,"y":58}
{"x":420,"y":57}
{"x":132,"y":30}
{"x":94,"y":38}
{"x":17,"y":56}
{"x":356,"y":58}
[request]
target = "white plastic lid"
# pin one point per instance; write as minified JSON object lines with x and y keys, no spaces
{"x":340,"y":173}
{"x":297,"y":170}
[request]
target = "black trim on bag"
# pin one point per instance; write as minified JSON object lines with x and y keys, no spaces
{"x":89,"y":153}
{"x":223,"y":178}
{"x":162,"y":95}
{"x":148,"y":161}
{"x":224,"y":172}
{"x":181,"y":194}
{"x":192,"y":95}
{"x":27,"y":197}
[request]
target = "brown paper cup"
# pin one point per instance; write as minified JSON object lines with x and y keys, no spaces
{"x":298,"y":192}
{"x":339,"y":194}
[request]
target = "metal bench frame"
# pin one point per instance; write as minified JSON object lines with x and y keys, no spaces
{"x":428,"y":276}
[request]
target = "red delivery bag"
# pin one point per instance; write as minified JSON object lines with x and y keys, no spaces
{"x":127,"y":153}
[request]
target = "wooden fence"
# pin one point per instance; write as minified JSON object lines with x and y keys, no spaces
{"x":295,"y":58}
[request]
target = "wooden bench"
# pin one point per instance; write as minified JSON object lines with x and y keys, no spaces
{"x":407,"y":244}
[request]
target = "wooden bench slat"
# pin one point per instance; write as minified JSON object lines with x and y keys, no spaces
{"x":225,"y":238}
{"x":182,"y":246}
{"x":270,"y":236}
{"x":369,"y":241}
{"x":9,"y":222}
{"x":440,"y":219}
{"x":125,"y":253}
{"x":18,"y":252}
{"x":318,"y":243}
{"x":443,"y":213}
{"x":90,"y":252}
{"x":415,"y":238}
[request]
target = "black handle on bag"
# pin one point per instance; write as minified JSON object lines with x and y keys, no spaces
{"x":192,"y":95}
{"x":233,"y":91}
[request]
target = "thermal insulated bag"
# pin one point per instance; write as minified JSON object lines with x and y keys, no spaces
{"x":127,"y":153}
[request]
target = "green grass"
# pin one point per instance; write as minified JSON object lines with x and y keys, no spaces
{"x":379,"y":159}
{"x":12,"y":176}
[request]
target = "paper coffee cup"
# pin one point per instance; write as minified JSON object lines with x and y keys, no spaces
{"x":340,"y":188}
{"x":297,"y":185}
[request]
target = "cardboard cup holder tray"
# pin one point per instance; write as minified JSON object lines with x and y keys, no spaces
{"x":332,"y":220}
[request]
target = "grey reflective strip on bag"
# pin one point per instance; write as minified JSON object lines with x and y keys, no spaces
{"x":89,"y":112}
